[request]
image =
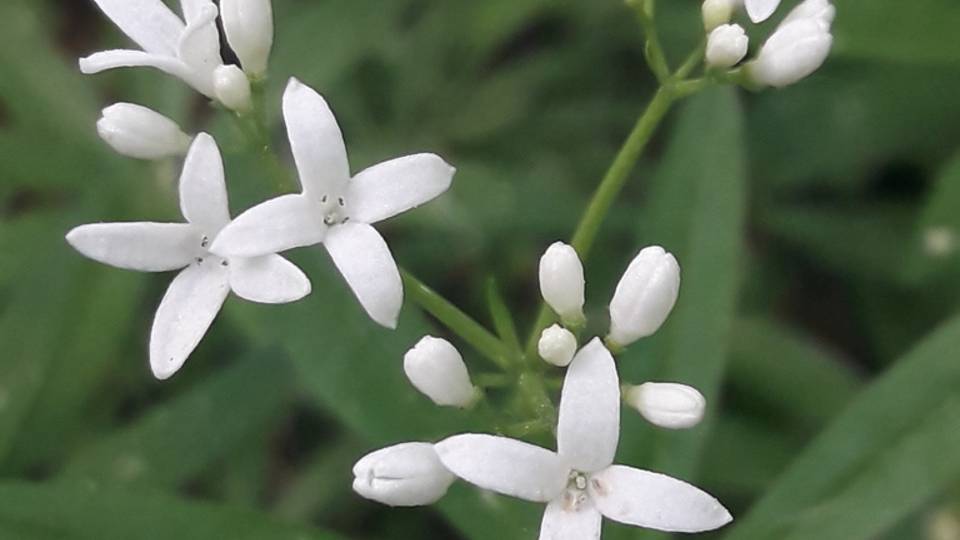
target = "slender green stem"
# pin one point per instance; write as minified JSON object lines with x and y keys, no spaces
{"x":502,"y":319}
{"x":609,"y":188}
{"x":653,"y":50}
{"x":457,"y":321}
{"x":254,"y":124}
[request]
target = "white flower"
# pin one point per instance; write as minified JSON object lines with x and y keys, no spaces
{"x":726,"y":46}
{"x":645,"y":295}
{"x":561,"y":282}
{"x":336,"y":210}
{"x":797,"y":48}
{"x":195,"y":296}
{"x":189,"y":51}
{"x":557,"y":345}
{"x":141,"y":133}
{"x":717,"y":12}
{"x":668,"y":405}
{"x":579,"y":482}
{"x":435,"y":368}
{"x":248,"y":25}
{"x":761,"y":10}
{"x":408,"y":474}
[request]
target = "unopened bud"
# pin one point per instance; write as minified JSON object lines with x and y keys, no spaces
{"x":797,"y":48}
{"x":436,"y":369}
{"x":726,"y":46}
{"x":644,"y":297}
{"x":407,"y":474}
{"x":717,"y":12}
{"x":141,"y":133}
{"x":232,"y":88}
{"x":761,"y":10}
{"x":557,"y":345}
{"x":561,"y":282}
{"x":668,"y":405}
{"x":248,"y":25}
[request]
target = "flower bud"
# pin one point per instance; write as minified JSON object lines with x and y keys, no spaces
{"x":561,"y":282}
{"x":232,"y":88}
{"x":248,"y":25}
{"x":139,"y":132}
{"x":644,"y":297}
{"x":717,"y":12}
{"x":797,"y":48}
{"x":726,"y":46}
{"x":761,"y":10}
{"x":407,"y":474}
{"x":557,"y":345}
{"x":436,"y":369}
{"x":668,"y":405}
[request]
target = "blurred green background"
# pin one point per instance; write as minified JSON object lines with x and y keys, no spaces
{"x":816,"y":227}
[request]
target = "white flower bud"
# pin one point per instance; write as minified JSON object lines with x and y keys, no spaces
{"x":726,"y":46}
{"x":645,"y":295}
{"x":141,"y":133}
{"x":797,"y":48}
{"x":668,"y":405}
{"x":436,"y":369}
{"x":407,"y":474}
{"x":248,"y":25}
{"x":557,"y":345}
{"x":232,"y":88}
{"x":561,"y":282}
{"x":717,"y":12}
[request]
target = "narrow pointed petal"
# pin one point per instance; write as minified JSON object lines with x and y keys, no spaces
{"x":283,"y":223}
{"x":199,"y":45}
{"x":269,"y":279}
{"x":566,"y":519}
{"x":203,"y":190}
{"x":149,"y":23}
{"x":505,"y":465}
{"x":655,"y":501}
{"x":395,"y":186}
{"x":147,"y":247}
{"x":120,"y":58}
{"x":365,"y":261}
{"x":316,"y":141}
{"x":589,"y":425}
{"x":761,"y":10}
{"x":186,"y":312}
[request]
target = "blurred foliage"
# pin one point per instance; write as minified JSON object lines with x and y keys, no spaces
{"x":817,"y":229}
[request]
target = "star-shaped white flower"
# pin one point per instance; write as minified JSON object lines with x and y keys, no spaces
{"x":189,"y":51}
{"x":195,"y":296}
{"x":578,"y":482}
{"x":335,"y":209}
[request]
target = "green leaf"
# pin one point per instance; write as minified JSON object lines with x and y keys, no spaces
{"x":178,"y":440}
{"x":89,"y":511}
{"x":696,"y":210}
{"x":891,"y":450}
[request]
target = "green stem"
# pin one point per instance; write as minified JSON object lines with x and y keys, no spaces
{"x":457,"y":321}
{"x":609,"y":188}
{"x":653,"y":50}
{"x":258,"y":135}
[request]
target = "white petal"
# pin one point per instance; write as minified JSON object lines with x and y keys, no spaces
{"x":199,"y":46}
{"x":186,"y":312}
{"x":203,"y":191}
{"x":316,"y":141}
{"x":589,"y":425}
{"x":283,"y":223}
{"x":269,"y":279}
{"x":147,"y":247}
{"x":366,"y":263}
{"x":120,"y":58}
{"x":655,"y":501}
{"x":761,"y":10}
{"x":149,"y":23}
{"x":248,"y":25}
{"x":505,"y":465}
{"x":395,"y":186}
{"x":566,"y":519}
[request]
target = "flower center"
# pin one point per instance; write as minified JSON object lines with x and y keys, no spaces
{"x":204,"y":257}
{"x":576,"y":494}
{"x":334,"y":210}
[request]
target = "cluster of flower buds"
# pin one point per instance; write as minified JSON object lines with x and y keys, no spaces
{"x":797,"y":48}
